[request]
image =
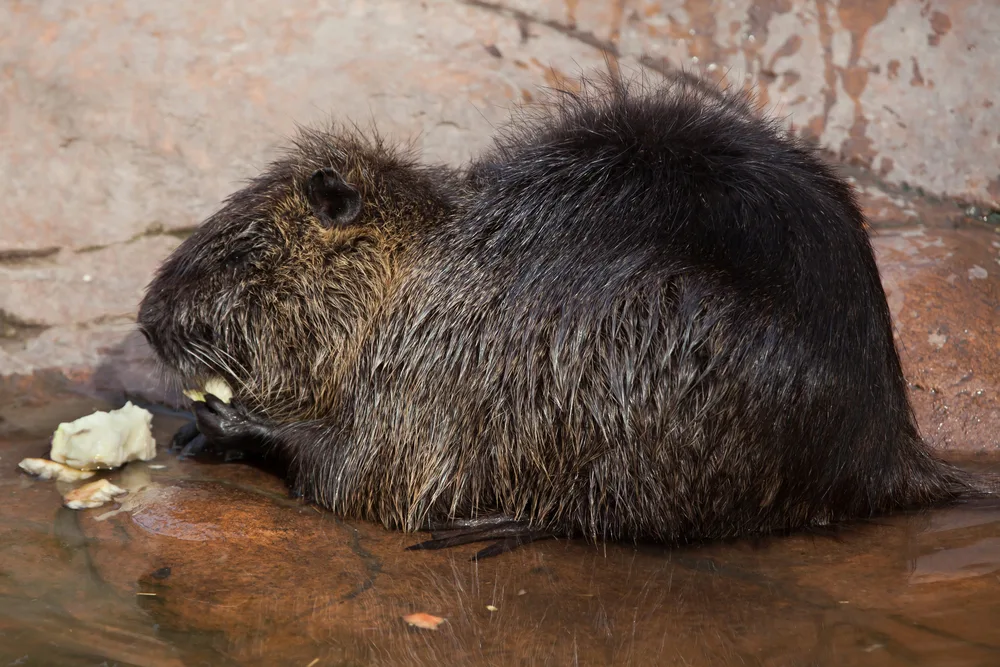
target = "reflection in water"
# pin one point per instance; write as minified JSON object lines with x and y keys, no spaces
{"x":214,"y":565}
{"x":974,"y":560}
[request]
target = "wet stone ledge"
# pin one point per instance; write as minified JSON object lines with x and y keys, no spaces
{"x":213,"y":564}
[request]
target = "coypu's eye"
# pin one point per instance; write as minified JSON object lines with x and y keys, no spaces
{"x":333,"y":201}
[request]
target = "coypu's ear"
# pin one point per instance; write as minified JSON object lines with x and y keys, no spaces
{"x":333,"y":201}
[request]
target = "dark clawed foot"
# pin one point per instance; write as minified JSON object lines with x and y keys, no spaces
{"x":508,"y":544}
{"x":233,"y":455}
{"x":509,"y":535}
{"x":189,"y":443}
{"x":225,"y":430}
{"x":184,"y":436}
{"x":227,"y":423}
{"x":198,"y":446}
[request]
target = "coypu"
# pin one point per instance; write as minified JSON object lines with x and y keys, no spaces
{"x":646,"y":314}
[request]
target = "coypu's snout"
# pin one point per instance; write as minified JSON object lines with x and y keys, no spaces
{"x":182,"y":314}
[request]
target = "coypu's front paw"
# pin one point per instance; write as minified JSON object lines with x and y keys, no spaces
{"x":230,"y":425}
{"x":222,"y":429}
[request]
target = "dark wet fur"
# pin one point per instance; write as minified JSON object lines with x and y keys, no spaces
{"x":646,"y":314}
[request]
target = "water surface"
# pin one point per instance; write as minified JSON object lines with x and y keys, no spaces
{"x":214,"y":565}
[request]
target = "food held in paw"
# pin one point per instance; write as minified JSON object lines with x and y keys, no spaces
{"x":216,"y":387}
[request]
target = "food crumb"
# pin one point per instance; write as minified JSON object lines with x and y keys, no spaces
{"x":422,"y":620}
{"x":92,"y":495}
{"x":46,"y":469}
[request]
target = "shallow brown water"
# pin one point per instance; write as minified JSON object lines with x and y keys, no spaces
{"x":213,"y":565}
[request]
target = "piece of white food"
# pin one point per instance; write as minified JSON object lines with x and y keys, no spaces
{"x":46,"y":469}
{"x":216,"y":387}
{"x":105,"y":440}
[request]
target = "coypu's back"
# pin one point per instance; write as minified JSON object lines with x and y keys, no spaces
{"x":657,"y":317}
{"x":645,"y":314}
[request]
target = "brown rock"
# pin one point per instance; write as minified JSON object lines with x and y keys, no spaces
{"x":213,"y":564}
{"x":944,"y":292}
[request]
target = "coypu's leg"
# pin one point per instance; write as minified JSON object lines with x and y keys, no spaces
{"x":508,"y":533}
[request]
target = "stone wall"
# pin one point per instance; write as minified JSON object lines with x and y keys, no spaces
{"x":123,"y":123}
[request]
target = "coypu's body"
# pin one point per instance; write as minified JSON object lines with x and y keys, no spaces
{"x":644,"y":316}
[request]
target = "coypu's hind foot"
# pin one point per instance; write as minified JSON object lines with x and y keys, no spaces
{"x":508,"y":533}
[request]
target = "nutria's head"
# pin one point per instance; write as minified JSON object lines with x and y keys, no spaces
{"x":272,"y":291}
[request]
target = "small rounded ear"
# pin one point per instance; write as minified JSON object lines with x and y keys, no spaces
{"x":333,"y":201}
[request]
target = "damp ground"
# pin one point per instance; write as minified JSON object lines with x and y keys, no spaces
{"x":214,"y":565}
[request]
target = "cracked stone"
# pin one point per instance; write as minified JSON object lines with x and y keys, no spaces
{"x":907,"y":89}
{"x":83,"y":286}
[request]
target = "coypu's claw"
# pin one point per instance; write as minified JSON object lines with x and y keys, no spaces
{"x":509,"y":535}
{"x":189,"y":443}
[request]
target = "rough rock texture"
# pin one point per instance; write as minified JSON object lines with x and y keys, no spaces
{"x":124,"y":123}
{"x":901,"y":87}
{"x":943,"y":287}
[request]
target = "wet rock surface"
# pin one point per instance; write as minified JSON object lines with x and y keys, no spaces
{"x":206,"y":564}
